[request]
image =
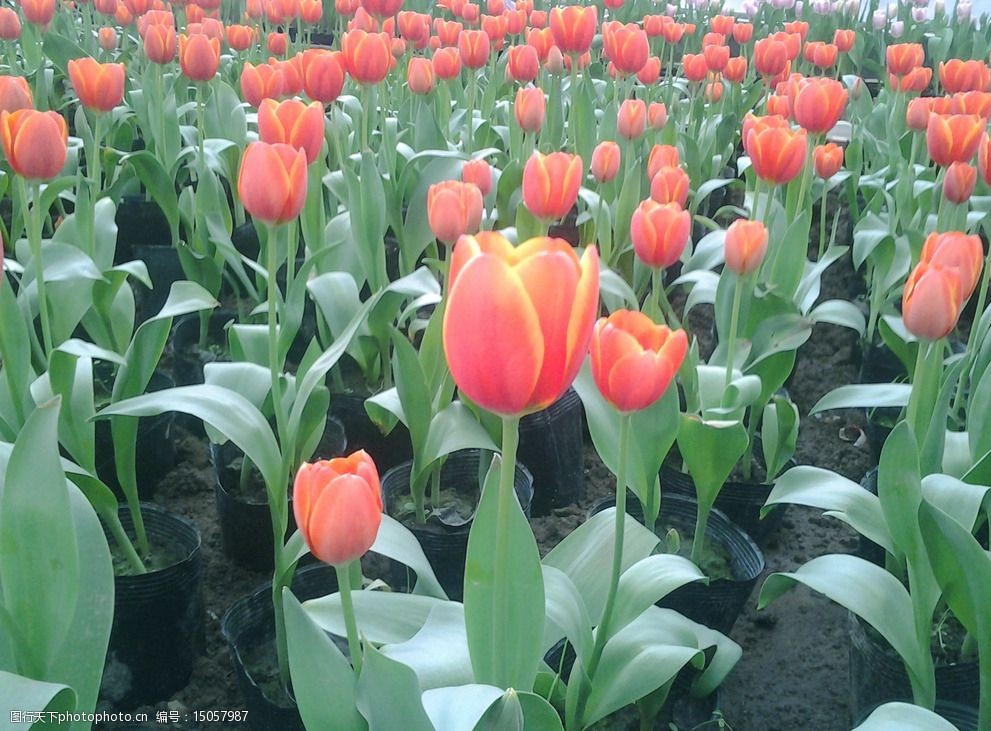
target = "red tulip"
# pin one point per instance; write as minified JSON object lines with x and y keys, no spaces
{"x":272,"y":181}
{"x":956,"y":252}
{"x":551,"y":183}
{"x":573,"y":28}
{"x":626,"y":46}
{"x":523,"y":64}
{"x":454,"y":209}
{"x":10,"y":24}
{"x":736,"y":70}
{"x":34,"y":142}
{"x":903,"y":57}
{"x":447,"y":63}
{"x":478,"y":172}
{"x":670,"y":185}
{"x":382,"y":8}
{"x":323,"y":74}
{"x":828,"y":159}
{"x":107,"y":37}
{"x":99,"y":86}
{"x":292,"y":123}
{"x":745,"y":246}
{"x":518,"y":320}
{"x":38,"y":12}
{"x":632,"y":119}
{"x":420,"y":75}
{"x":634,"y":360}
{"x":956,"y":75}
{"x":694,"y":67}
{"x":473,"y":46}
{"x":368,"y":56}
{"x":15,"y":94}
{"x":529,"y":108}
{"x":160,"y":43}
{"x":917,"y":114}
{"x":199,"y":56}
{"x":953,"y":137}
{"x":659,"y":232}
{"x":650,"y":72}
{"x":770,"y":57}
{"x":819,"y":104}
{"x":338,"y":507}
{"x":843,"y":39}
{"x":662,"y":156}
{"x":743,"y":32}
{"x":605,"y":161}
{"x":716,"y":58}
{"x":958,"y":184}
{"x":931,"y":302}
{"x":776,"y":151}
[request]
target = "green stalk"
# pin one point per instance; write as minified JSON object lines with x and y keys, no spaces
{"x":925,"y":387}
{"x":502,"y":570}
{"x":470,"y":111}
{"x":822,"y":222}
{"x":34,"y":240}
{"x":602,"y":630}
{"x":347,"y":607}
{"x":698,"y":540}
{"x":734,"y":326}
{"x":572,"y":124}
{"x":125,"y":545}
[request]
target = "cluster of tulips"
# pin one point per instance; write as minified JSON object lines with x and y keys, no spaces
{"x":468,"y":210}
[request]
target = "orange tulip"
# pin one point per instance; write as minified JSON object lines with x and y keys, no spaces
{"x":972,"y":102}
{"x":984,"y":158}
{"x":819,"y":104}
{"x":776,"y":151}
{"x":38,"y":12}
{"x":659,"y":232}
{"x":821,"y":55}
{"x":447,"y":63}
{"x":632,"y":119}
{"x":722,"y":24}
{"x":798,"y":27}
{"x":573,"y":28}
{"x":473,"y":47}
{"x":634,"y":360}
{"x":272,"y":181}
{"x":448,"y":31}
{"x":368,"y":56}
{"x":745,"y":246}
{"x":716,"y":58}
{"x":382,"y":8}
{"x":956,"y":252}
{"x":529,"y":108}
{"x":694,"y":67}
{"x":478,"y":172}
{"x":420,"y":75}
{"x":99,"y":86}
{"x":292,"y":123}
{"x":736,"y":70}
{"x":338,"y":507}
{"x":107,"y":38}
{"x":523,"y":64}
{"x":518,"y":320}
{"x":903,"y":57}
{"x":670,"y":185}
{"x":15,"y":94}
{"x":454,"y":209}
{"x":662,"y":156}
{"x":657,"y":115}
{"x":627,"y":46}
{"x":770,"y":57}
{"x":414,"y":27}
{"x":310,"y":11}
{"x":551,"y":183}
{"x":605,"y":161}
{"x":778,"y":105}
{"x":650,"y":72}
{"x":743,"y":32}
{"x":916,"y":80}
{"x":241,"y":37}
{"x":323,"y":74}
{"x":953,"y":137}
{"x":277,"y":43}
{"x":917,"y":114}
{"x":264,"y":81}
{"x":105,"y":7}
{"x":931,"y":302}
{"x":827,"y":159}
{"x":956,"y":75}
{"x":10,"y":24}
{"x":959,"y":182}
{"x":673,"y":32}
{"x":843,"y":39}
{"x":34,"y":142}
{"x":494,"y":26}
{"x":541,"y":41}
{"x":160,"y":43}
{"x":199,"y":56}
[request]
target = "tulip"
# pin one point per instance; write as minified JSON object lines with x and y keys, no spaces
{"x":627,"y":46}
{"x":551,"y":183}
{"x":605,"y":161}
{"x":447,"y":63}
{"x":821,"y":55}
{"x":382,"y":8}
{"x":454,"y":209}
{"x":953,"y":137}
{"x":657,"y":115}
{"x":10,"y":24}
{"x":107,"y":38}
{"x":310,"y":11}
{"x":778,"y":105}
{"x":736,"y":70}
{"x":241,"y":37}
{"x":555,"y":61}
{"x":323,"y":74}
{"x":956,"y":75}
{"x":338,"y":507}
{"x":653,"y":25}
{"x":199,"y":56}
{"x":694,"y":67}
{"x":827,"y":159}
{"x":264,"y":81}
{"x":368,"y":56}
{"x":105,"y":7}
{"x":650,"y":72}
{"x":448,"y":31}
{"x":670,"y":185}
{"x":478,"y":172}
{"x":414,"y":27}
{"x":843,"y":39}
{"x":518,"y":320}
{"x":743,"y":32}
{"x":957,"y":252}
{"x":473,"y":47}
{"x":123,"y":16}
{"x":99,"y":86}
{"x":722,"y":24}
{"x":659,"y":232}
{"x":819,"y":104}
{"x":272,"y":182}
{"x":35,"y":143}
{"x":632,"y":119}
{"x":15,"y":94}
{"x":972,"y":102}
{"x":292,"y":123}
{"x":634,"y":360}
{"x":160,"y":43}
{"x":38,"y":12}
{"x":420,"y":75}
{"x":903,"y":57}
{"x":662,"y":156}
{"x":776,"y":152}
{"x":931,"y":302}
{"x":958,"y":184}
{"x":745,"y":246}
{"x":916,"y":80}
{"x":524,"y":64}
{"x":529,"y":108}
{"x":673,"y":32}
{"x":770,"y":57}
{"x":573,"y":28}
{"x":716,"y":58}
{"x":917,"y":114}
{"x":984,"y":158}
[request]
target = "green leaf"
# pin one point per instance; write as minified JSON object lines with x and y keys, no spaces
{"x":538,"y":714}
{"x":779,"y":434}
{"x":438,"y":652}
{"x":39,"y":555}
{"x":710,"y":450}
{"x":159,"y":185}
{"x":452,"y":429}
{"x":647,"y":582}
{"x":20,"y":694}
{"x":322,"y":678}
{"x":505,"y":621}
{"x":904,"y":717}
{"x":565,"y":614}
{"x":382,"y":616}
{"x":867,"y":395}
{"x":404,"y":709}
{"x":459,"y":708}
{"x":395,"y":541}
{"x":872,"y":594}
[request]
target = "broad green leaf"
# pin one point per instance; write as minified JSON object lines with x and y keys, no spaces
{"x":452,"y":429}
{"x":565,"y":614}
{"x":395,"y":541}
{"x":438,"y":652}
{"x":322,"y":678}
{"x":710,"y":450}
{"x":867,"y":395}
{"x":383,"y":617}
{"x":647,"y":582}
{"x":20,"y":694}
{"x":904,"y":717}
{"x":403,"y":709}
{"x":459,"y":708}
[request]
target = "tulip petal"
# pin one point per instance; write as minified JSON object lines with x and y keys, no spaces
{"x":344,"y":521}
{"x":637,"y":381}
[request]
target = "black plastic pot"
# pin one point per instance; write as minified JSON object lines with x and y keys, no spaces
{"x":245,"y":523}
{"x":188,"y":358}
{"x":154,"y":452}
{"x":158,"y":616}
{"x":551,"y":443}
{"x":249,"y":628}
{"x":740,"y":501}
{"x":877,"y":674}
{"x":879,"y":365}
{"x":387,"y":450}
{"x":164,"y":269}
{"x":446,"y":547}
{"x":718,"y":603}
{"x":139,"y":222}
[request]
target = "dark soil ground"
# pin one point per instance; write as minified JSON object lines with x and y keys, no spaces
{"x":794,"y":671}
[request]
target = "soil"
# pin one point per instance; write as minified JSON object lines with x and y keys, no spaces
{"x":794,"y":670}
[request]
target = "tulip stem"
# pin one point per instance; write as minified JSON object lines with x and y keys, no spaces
{"x":602,"y":630}
{"x":925,"y":388}
{"x":470,"y":111}
{"x":734,"y":325}
{"x":347,"y":607}
{"x":822,"y":222}
{"x":502,"y":571}
{"x":34,"y":240}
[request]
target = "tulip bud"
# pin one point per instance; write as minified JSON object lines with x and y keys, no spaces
{"x":107,"y":38}
{"x":272,"y":181}
{"x":956,"y":252}
{"x":931,"y":302}
{"x":199,"y":56}
{"x":99,"y":86}
{"x":292,"y":123}
{"x":454,"y":209}
{"x":659,"y":233}
{"x":605,"y":161}
{"x":15,"y":94}
{"x":670,"y":185}
{"x":827,"y":159}
{"x":745,"y":246}
{"x":632,"y":119}
{"x":478,"y":172}
{"x":34,"y":142}
{"x":529,"y":109}
{"x":420,"y":75}
{"x":657,"y":115}
{"x":917,"y":114}
{"x":10,"y":24}
{"x":524,"y":64}
{"x":551,"y":183}
{"x":662,"y":156}
{"x":958,"y":184}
